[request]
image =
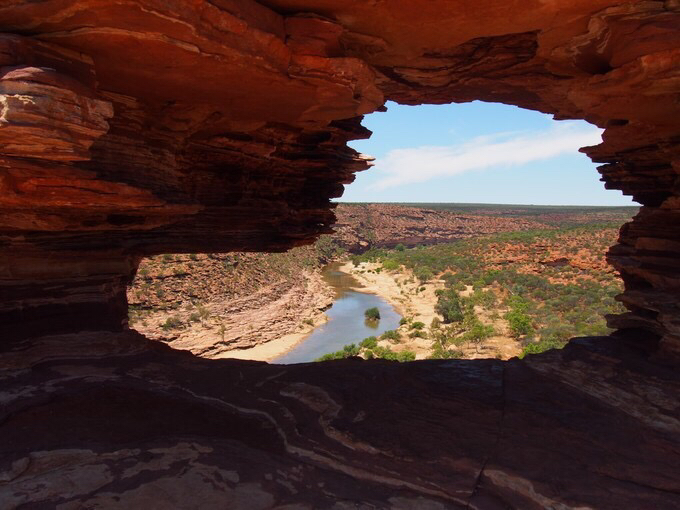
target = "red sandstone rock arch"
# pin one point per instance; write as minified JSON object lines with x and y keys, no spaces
{"x":133,"y":128}
{"x":149,"y":127}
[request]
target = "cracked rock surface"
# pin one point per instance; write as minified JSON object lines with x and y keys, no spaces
{"x":115,"y":420}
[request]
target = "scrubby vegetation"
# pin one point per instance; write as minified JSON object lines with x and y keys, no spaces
{"x":548,"y":285}
{"x":368,"y":348}
{"x":534,"y":288}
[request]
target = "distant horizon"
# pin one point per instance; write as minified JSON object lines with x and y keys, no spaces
{"x":479,"y":153}
{"x":350,"y":202}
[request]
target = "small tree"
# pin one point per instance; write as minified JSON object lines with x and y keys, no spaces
{"x":519,"y":321}
{"x":478,"y":333}
{"x":449,"y":306}
{"x":372,"y":314}
{"x":423,"y":273}
{"x":391,"y":334}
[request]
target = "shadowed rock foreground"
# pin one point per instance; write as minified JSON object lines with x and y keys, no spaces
{"x":114,"y":420}
{"x":135,"y":128}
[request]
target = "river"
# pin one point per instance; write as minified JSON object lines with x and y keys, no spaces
{"x":346,"y":323}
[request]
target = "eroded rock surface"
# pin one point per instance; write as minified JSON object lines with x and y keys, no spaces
{"x":141,"y":127}
{"x":117,"y":421}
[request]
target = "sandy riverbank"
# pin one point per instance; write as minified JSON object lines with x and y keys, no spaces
{"x":411,"y":299}
{"x":397,"y":288}
{"x":416,"y":301}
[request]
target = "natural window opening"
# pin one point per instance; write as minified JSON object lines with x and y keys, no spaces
{"x":425,"y":261}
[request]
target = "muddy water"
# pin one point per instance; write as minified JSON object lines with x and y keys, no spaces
{"x":346,"y":323}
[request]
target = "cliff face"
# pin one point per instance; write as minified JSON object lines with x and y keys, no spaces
{"x":139,"y":128}
{"x":135,"y":128}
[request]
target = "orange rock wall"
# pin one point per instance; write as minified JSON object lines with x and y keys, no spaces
{"x":141,"y":127}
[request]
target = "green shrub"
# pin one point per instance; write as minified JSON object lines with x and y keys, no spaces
{"x":423,"y":274}
{"x":440,"y":352}
{"x":406,"y":356}
{"x":372,"y":313}
{"x":484,"y":298}
{"x":518,"y":319}
{"x":449,"y":306}
{"x":539,"y":347}
{"x":391,"y":334}
{"x":400,"y":247}
{"x":417,"y":325}
{"x":351,"y":350}
{"x":371,"y":350}
{"x":171,"y":323}
{"x":390,"y":265}
{"x":370,"y":342}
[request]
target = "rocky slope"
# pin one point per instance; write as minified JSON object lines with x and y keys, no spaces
{"x":212,"y":303}
{"x":136,"y":128}
{"x":360,"y":227}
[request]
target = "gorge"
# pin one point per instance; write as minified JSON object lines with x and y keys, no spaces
{"x":138,"y":128}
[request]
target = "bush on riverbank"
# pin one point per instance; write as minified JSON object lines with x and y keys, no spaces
{"x":369,"y":349}
{"x":372,"y":314}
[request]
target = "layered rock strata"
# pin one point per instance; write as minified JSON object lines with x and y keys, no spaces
{"x":111,"y":420}
{"x":134,"y":128}
{"x":138,"y":128}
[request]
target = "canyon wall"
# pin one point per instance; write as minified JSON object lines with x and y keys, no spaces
{"x":134,"y":128}
{"x":139,"y":128}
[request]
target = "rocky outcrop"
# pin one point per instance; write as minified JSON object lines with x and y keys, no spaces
{"x":201,"y":312}
{"x":135,"y":128}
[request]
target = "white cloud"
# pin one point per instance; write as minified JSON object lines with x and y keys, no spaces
{"x":407,"y":166}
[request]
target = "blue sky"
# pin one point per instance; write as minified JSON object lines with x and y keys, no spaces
{"x":478,"y":153}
